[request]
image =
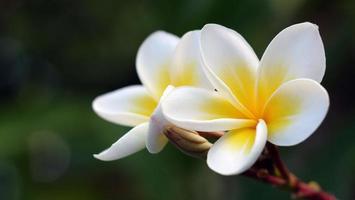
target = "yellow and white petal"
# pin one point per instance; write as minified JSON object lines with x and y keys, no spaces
{"x":238,"y":150}
{"x":130,"y":143}
{"x":230,"y":60}
{"x":202,"y":110}
{"x":127,"y":106}
{"x":295,"y":111}
{"x":153,"y":61}
{"x":296,"y":52}
{"x":187,"y":65}
{"x":156,"y":140}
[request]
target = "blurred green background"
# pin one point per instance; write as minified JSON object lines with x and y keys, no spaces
{"x":56,"y":56}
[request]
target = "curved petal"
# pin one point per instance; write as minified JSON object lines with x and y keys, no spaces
{"x":238,"y":150}
{"x":130,"y":143}
{"x":295,"y":111}
{"x":127,"y":106}
{"x":187,"y":65}
{"x":202,"y":110}
{"x":231,"y":65}
{"x":296,"y":52}
{"x":153,"y":61}
{"x":156,"y":140}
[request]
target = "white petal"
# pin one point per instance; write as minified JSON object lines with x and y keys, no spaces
{"x":238,"y":150}
{"x":130,"y":143}
{"x":202,"y":110}
{"x":154,"y":60}
{"x":296,"y":52}
{"x":295,"y":111}
{"x":187,"y":65}
{"x":156,"y":139}
{"x":127,"y":106}
{"x":231,"y":65}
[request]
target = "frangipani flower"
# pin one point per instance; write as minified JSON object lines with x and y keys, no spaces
{"x":162,"y":60}
{"x":277,"y":99}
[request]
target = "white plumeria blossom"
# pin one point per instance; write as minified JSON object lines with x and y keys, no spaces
{"x":163,"y":61}
{"x":277,"y":99}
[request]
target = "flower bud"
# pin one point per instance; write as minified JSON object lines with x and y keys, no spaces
{"x":189,"y":142}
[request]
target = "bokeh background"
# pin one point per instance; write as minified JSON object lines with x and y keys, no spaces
{"x":56,"y":56}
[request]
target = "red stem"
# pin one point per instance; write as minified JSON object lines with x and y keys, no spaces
{"x":281,"y":177}
{"x":269,"y":169}
{"x":280,"y":166}
{"x":299,"y":189}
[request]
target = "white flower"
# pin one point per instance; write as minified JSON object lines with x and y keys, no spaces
{"x":278,"y":99}
{"x":162,"y":60}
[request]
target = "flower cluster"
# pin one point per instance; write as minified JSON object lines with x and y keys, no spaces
{"x":210,"y":80}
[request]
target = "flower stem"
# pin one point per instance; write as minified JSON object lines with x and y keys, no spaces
{"x":269,"y":168}
{"x":280,"y":166}
{"x":281,"y":177}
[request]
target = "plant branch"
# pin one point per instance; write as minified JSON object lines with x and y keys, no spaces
{"x":280,"y":166}
{"x":299,"y":189}
{"x":269,"y":168}
{"x":281,"y":177}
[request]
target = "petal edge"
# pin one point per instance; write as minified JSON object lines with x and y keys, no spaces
{"x":130,"y":143}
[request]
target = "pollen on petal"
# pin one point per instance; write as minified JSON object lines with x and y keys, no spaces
{"x":143,"y":105}
{"x":241,"y":81}
{"x":242,"y":140}
{"x":186,"y":75}
{"x":223,"y":110}
{"x":280,"y":111}
{"x":163,"y":78}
